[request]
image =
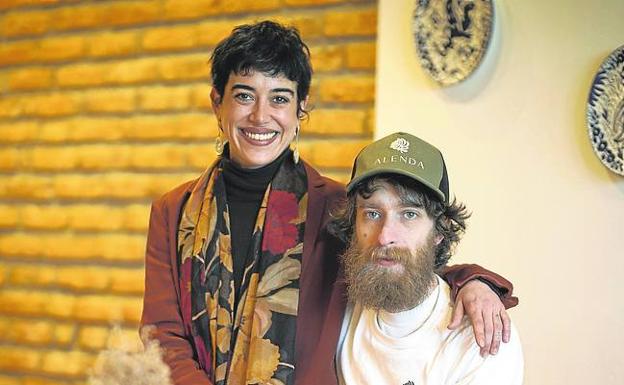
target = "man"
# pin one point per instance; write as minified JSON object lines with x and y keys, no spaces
{"x":402,"y":229}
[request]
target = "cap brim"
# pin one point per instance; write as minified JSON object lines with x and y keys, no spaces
{"x":377,"y":171}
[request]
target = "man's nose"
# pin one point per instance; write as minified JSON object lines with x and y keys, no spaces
{"x":387,"y":234}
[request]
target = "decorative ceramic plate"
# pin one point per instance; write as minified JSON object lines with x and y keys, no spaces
{"x":605,"y":112}
{"x":452,"y":36}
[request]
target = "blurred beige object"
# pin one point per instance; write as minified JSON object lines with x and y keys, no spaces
{"x":125,"y":363}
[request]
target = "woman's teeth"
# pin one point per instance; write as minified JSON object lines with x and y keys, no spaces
{"x":260,"y":137}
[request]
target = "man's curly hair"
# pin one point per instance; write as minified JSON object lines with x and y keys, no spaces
{"x":449,"y":219}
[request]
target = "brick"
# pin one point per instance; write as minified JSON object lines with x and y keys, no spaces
{"x":50,"y":158}
{"x":169,"y":38}
{"x":61,"y":48}
{"x":327,"y":58}
{"x":18,"y":132}
{"x":6,"y":4}
{"x":127,"y":281}
{"x":187,"y":126}
{"x":164,"y":98}
{"x":33,"y":332}
{"x":11,"y":106}
{"x":18,"y":52}
{"x":361,"y":56}
{"x":121,"y":13}
{"x":202,"y":156}
{"x":309,"y":24}
{"x":200,"y":97}
{"x":83,"y":217}
{"x":29,"y":79}
{"x":136,"y":217}
{"x":82,"y":278}
{"x":370,"y":121}
{"x":22,"y":302}
{"x":28,"y":332}
{"x":76,"y":75}
{"x":93,"y":337}
{"x":361,"y":22}
{"x":334,"y":154}
{"x":64,"y":334}
{"x":32,"y":275}
{"x":37,"y":105}
{"x":84,"y":129}
{"x":25,"y":23}
{"x":77,"y":17}
{"x":58,"y":305}
{"x":51,"y":105}
{"x":175,"y":9}
{"x":159,"y":157}
{"x":23,"y":186}
{"x":67,"y":364}
{"x":313,"y":2}
{"x":103,"y":308}
{"x":6,"y":380}
{"x":118,"y":185}
{"x":348,"y":89}
{"x":335,"y":122}
{"x":73,"y":247}
{"x":131,"y":12}
{"x":212,"y":32}
{"x":103,"y":157}
{"x":134,"y":71}
{"x":41,"y":381}
{"x":112,"y":44}
{"x":19,"y":359}
{"x":10,"y":159}
{"x":110,"y":100}
{"x":115,"y":73}
{"x":98,"y":338}
{"x":184,"y":67}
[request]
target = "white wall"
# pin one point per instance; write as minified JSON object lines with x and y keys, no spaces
{"x":547,"y":214}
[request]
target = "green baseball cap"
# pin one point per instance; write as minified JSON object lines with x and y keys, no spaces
{"x":404,"y":154}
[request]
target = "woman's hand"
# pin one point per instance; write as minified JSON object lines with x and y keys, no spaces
{"x":487,"y":314}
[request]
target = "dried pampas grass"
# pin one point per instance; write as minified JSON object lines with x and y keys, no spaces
{"x":124,"y":364}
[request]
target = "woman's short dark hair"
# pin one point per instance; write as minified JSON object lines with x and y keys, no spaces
{"x":267,"y":47}
{"x":449,"y":219}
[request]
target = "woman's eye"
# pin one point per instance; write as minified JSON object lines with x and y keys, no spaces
{"x":243,"y":97}
{"x":281,"y":100}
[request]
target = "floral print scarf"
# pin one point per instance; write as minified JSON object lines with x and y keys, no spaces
{"x":252,"y":342}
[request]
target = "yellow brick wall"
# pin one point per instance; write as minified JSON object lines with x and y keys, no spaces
{"x":103,"y":107}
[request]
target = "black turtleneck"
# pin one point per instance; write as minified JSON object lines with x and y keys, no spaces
{"x":245,"y":189}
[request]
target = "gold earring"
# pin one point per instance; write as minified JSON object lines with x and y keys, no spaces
{"x":219,"y":144}
{"x":296,"y":150}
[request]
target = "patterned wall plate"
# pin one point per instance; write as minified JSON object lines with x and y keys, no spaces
{"x":451,"y":36}
{"x":605,"y":112}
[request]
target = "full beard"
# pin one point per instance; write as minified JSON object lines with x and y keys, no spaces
{"x":393,"y":288}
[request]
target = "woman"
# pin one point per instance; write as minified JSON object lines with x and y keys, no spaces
{"x":241,"y":276}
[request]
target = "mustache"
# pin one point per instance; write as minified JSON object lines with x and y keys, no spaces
{"x":397,"y":254}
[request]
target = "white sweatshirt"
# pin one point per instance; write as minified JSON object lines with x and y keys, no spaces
{"x":415,"y":347}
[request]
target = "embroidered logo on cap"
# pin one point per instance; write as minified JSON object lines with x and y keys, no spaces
{"x":401,"y":145}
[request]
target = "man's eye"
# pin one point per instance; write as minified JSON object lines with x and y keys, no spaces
{"x":410,"y":214}
{"x":371,"y":214}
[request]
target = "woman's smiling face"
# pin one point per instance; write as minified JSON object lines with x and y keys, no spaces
{"x":258,"y":115}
